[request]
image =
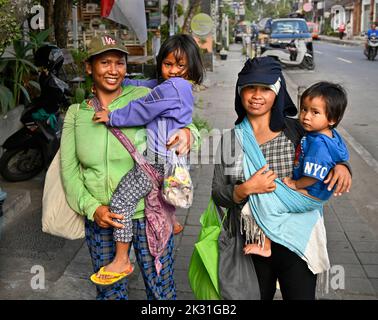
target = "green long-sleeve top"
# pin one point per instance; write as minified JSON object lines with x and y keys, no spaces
{"x":93,"y":161}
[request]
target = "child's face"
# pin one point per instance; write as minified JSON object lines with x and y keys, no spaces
{"x":257,"y":100}
{"x":170,"y":67}
{"x":313,"y":116}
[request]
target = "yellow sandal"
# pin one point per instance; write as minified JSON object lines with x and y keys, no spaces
{"x":112,"y":278}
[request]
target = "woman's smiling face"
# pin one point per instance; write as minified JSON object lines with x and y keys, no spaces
{"x":108,"y":70}
{"x":257,"y":100}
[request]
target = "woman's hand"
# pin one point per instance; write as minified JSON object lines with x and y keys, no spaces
{"x":104,"y":218}
{"x":261,"y":182}
{"x":182,"y":141}
{"x":101,"y":116}
{"x":341,"y":177}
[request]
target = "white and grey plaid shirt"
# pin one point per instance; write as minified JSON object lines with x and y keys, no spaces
{"x":279,"y":154}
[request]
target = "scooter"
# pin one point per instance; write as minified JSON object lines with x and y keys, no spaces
{"x":372,"y":48}
{"x":295,"y":53}
{"x":31,"y":149}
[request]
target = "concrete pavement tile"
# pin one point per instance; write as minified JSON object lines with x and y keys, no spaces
{"x":182,"y":295}
{"x":355,"y":226}
{"x":353,"y":271}
{"x":137,"y":294}
{"x":365,"y":246}
{"x":339,"y":258}
{"x":181,"y":212}
{"x":188,"y":240}
{"x":368,"y":257}
{"x":193,"y":221}
{"x":69,"y":288}
{"x":371,"y":270}
{"x":358,"y":286}
{"x":191,"y":230}
{"x":374,"y":283}
{"x":182,"y":282}
{"x":335,"y":235}
{"x":197,"y":211}
{"x":332,"y":226}
{"x":184,"y":251}
{"x":182,"y":262}
{"x":339,"y":245}
{"x":360,"y":235}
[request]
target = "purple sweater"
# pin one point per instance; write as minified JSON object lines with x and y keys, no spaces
{"x":167,"y":108}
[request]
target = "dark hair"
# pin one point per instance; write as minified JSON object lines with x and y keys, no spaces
{"x":181,"y":44}
{"x":335,"y":98}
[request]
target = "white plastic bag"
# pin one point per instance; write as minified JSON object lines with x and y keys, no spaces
{"x":177,"y":186}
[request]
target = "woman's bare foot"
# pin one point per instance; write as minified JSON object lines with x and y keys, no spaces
{"x":254,"y":248}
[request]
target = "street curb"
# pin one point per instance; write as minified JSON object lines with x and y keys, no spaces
{"x":355,"y":43}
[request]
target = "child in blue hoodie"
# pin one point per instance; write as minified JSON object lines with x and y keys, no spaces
{"x":322,"y":108}
{"x":167,"y":108}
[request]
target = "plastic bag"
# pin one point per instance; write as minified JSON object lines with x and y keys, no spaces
{"x":203,"y":266}
{"x":177,"y":186}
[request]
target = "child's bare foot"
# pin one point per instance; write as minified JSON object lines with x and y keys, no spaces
{"x":177,"y":228}
{"x":254,"y":248}
{"x":116,"y":266}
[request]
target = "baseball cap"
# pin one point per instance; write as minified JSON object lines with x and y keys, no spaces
{"x":101,"y":44}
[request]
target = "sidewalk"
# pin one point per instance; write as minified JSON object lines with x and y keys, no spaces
{"x":356,"y":41}
{"x":352,"y":244}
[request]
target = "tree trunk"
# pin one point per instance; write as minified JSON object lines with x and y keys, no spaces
{"x":61,"y":12}
{"x":49,"y":15}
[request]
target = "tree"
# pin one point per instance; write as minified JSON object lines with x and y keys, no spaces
{"x":49,"y":15}
{"x":61,"y":10}
{"x":10,"y":28}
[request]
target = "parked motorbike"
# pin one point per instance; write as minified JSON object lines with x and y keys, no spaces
{"x":372,"y":47}
{"x":290,"y":42}
{"x":295,"y":53}
{"x":31,"y":149}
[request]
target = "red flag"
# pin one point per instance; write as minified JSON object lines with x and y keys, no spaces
{"x":106,"y":7}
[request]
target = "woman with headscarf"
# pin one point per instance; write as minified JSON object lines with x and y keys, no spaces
{"x":253,"y":157}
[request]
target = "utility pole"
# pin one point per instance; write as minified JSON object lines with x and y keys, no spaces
{"x":172,"y":17}
{"x":372,"y":5}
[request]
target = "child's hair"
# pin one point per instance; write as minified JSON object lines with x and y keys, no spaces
{"x":334,"y":96}
{"x":181,"y":44}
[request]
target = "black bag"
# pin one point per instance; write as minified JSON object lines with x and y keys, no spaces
{"x":236,"y":272}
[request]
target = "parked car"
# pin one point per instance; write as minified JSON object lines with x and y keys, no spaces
{"x":313,"y":27}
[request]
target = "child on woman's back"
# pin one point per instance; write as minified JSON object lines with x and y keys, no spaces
{"x":322,"y":108}
{"x":167,"y":108}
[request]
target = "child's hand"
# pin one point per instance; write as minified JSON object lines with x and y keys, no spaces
{"x":182,"y":141}
{"x":290,"y":183}
{"x":101,"y":116}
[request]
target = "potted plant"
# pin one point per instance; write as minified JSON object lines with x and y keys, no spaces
{"x":223,"y":54}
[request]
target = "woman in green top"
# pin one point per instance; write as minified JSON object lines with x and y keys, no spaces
{"x":94,"y":161}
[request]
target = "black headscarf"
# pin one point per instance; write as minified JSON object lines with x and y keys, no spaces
{"x":265,"y":70}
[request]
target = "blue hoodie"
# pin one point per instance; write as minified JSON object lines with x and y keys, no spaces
{"x":167,"y":108}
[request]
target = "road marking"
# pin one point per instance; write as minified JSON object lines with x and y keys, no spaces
{"x":365,"y":155}
{"x":345,"y":60}
{"x":318,"y":52}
